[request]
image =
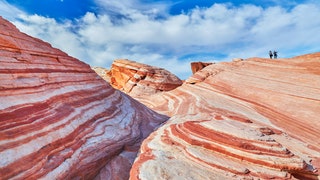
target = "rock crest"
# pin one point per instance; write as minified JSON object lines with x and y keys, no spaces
{"x":197,"y":66}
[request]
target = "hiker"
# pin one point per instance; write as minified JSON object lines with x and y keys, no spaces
{"x":270,"y":54}
{"x":275,"y":54}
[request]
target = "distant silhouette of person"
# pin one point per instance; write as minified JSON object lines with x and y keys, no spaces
{"x":270,"y":54}
{"x":275,"y":54}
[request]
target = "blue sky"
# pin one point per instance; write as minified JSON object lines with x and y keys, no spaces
{"x":169,"y":34}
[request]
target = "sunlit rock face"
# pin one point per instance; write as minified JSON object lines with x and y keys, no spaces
{"x":197,"y":66}
{"x":250,"y":119}
{"x":59,"y":119}
{"x":139,"y":79}
{"x":102,"y":72}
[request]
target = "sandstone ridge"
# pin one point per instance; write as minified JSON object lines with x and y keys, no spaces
{"x":59,"y":120}
{"x":248,"y":119}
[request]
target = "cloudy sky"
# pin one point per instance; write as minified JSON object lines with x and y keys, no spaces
{"x":170,"y":34}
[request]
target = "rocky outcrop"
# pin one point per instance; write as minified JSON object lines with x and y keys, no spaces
{"x":197,"y":66}
{"x":58,"y":119}
{"x":138,"y":79}
{"x":103,"y":73}
{"x":252,"y":119}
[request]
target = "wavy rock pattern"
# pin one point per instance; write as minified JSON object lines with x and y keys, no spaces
{"x":139,"y":79}
{"x":252,"y":119}
{"x":58,"y":119}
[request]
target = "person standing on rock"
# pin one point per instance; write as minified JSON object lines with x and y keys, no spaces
{"x":275,"y":54}
{"x":270,"y":54}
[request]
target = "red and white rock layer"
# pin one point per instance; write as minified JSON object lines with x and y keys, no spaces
{"x":59,"y":120}
{"x":252,"y":119}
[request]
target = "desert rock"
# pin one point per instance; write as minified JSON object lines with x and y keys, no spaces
{"x":59,"y":119}
{"x":102,"y":72}
{"x":251,"y":119}
{"x":139,"y":79}
{"x":197,"y":66}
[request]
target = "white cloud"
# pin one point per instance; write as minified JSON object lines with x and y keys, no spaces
{"x":60,"y":35}
{"x":140,"y":35}
{"x":131,"y":6}
{"x":8,"y":11}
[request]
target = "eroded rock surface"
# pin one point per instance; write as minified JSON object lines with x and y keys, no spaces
{"x":139,"y":79}
{"x":59,"y":120}
{"x":251,"y":119}
{"x":197,"y":66}
{"x":102,"y":72}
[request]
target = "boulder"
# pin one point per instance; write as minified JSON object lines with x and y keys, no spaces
{"x":139,"y":79}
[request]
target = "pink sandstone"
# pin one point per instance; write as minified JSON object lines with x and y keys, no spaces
{"x":250,"y":119}
{"x":139,"y":79}
{"x":59,"y":119}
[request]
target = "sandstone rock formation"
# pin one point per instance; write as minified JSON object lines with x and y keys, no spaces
{"x":252,"y":119}
{"x":103,"y":73}
{"x":197,"y":66}
{"x":59,"y":120}
{"x":138,"y":79}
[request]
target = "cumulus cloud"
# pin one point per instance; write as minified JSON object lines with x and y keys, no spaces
{"x":60,"y":35}
{"x":219,"y":32}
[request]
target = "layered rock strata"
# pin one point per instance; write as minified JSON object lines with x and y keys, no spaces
{"x":59,"y":119}
{"x":139,"y":79}
{"x":251,"y":119}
